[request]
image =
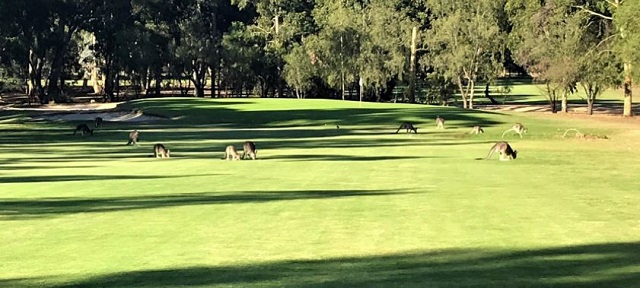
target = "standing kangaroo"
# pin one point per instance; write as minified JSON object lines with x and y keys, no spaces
{"x":439,"y":122}
{"x":133,"y":137}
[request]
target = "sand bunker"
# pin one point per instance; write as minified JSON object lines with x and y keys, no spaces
{"x":87,"y":112}
{"x":109,"y":116}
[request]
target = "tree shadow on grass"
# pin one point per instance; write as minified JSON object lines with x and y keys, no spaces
{"x":66,"y":178}
{"x":201,"y":111}
{"x":596,"y":265}
{"x":325,"y":157}
{"x":20,"y":209}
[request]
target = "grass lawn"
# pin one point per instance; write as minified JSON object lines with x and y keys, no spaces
{"x":525,"y":91}
{"x":357,"y":206}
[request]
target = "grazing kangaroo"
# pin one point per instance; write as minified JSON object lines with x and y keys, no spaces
{"x":439,"y":122}
{"x":408,"y":126}
{"x":230,"y":153}
{"x":476,"y":130}
{"x":159,"y":151}
{"x":505,"y":150}
{"x":249,"y":148}
{"x":133,"y":137}
{"x":98,"y":121}
{"x":518,"y":128}
{"x":84,"y":129}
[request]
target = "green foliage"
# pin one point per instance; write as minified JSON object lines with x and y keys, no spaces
{"x":627,"y":19}
{"x":547,"y":40}
{"x":465,"y":43}
{"x":298,"y":70}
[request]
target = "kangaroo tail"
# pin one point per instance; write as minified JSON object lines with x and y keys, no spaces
{"x":490,"y":153}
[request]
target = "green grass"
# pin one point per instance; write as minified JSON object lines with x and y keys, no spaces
{"x":524,"y":91}
{"x":321,"y":207}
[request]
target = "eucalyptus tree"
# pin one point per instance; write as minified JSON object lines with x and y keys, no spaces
{"x":600,"y":67}
{"x":359,"y":41}
{"x":298,"y":70}
{"x":386,"y":45}
{"x":198,"y":47}
{"x":280,"y":25}
{"x":243,"y":59}
{"x":110,"y":40}
{"x":28,"y":37}
{"x":625,"y":15}
{"x":334,"y":50}
{"x":465,"y":43}
{"x":545,"y":39}
{"x":65,"y":18}
{"x":13,"y":52}
{"x":628,"y":22}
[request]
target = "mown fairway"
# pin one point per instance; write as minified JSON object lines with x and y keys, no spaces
{"x":358,"y":206}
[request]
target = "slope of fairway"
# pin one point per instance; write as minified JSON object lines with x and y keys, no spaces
{"x":321,"y":207}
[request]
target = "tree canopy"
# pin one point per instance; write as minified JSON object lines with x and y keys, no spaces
{"x":322,"y":48}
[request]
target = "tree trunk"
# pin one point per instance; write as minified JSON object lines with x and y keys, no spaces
{"x":34,"y":82}
{"x":212,"y":74}
{"x":589,"y":106}
{"x":95,"y":82}
{"x":471,"y":90}
{"x":199,"y":90}
{"x":462,"y":92}
{"x":628,"y":84}
{"x":488,"y":95}
{"x":565,"y":106}
{"x":53,"y":89}
{"x":412,"y":65}
{"x":158,"y":86}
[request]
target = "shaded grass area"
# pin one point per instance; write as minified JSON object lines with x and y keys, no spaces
{"x":11,"y":209}
{"x":571,"y":266}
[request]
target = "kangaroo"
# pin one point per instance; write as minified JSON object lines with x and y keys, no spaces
{"x":98,"y":121}
{"x":476,"y":130}
{"x":159,"y":151}
{"x":518,"y":128}
{"x":249,"y":148}
{"x":439,"y":122}
{"x":230,"y":153}
{"x":133,"y":137}
{"x":408,"y":126}
{"x":84,"y":129}
{"x":505,"y":150}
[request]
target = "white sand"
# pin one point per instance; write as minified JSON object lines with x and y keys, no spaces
{"x":87,"y":112}
{"x":109,"y":116}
